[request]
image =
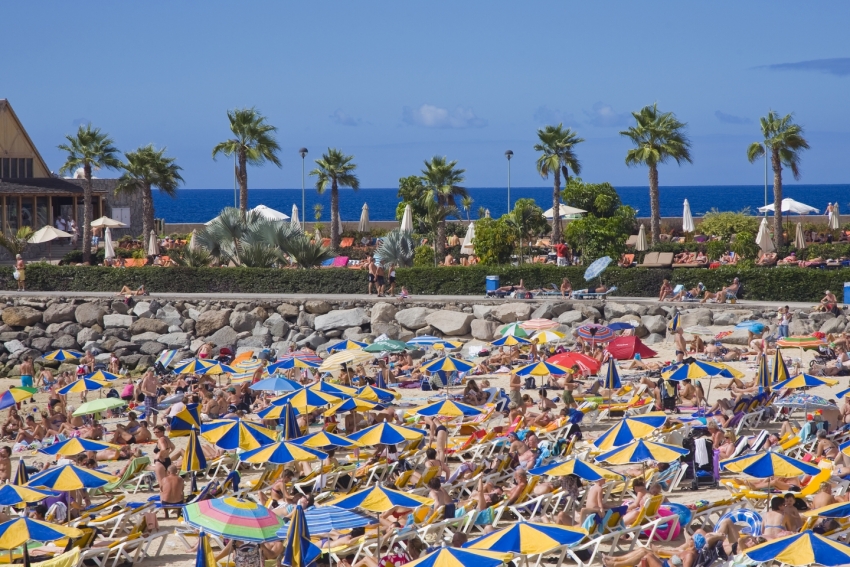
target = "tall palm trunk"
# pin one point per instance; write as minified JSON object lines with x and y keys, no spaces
{"x":777,"y":197}
{"x":654,"y":206}
{"x":87,"y":214}
{"x":440,"y":244}
{"x":242,"y":174}
{"x":556,"y":208}
{"x":334,"y":215}
{"x":147,"y":211}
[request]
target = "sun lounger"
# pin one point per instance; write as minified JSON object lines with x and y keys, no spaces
{"x":587,"y":295}
{"x":346,"y":242}
{"x":134,"y":475}
{"x":657,"y":260}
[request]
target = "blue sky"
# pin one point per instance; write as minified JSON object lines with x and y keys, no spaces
{"x":396,"y":82}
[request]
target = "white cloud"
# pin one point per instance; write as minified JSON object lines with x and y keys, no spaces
{"x":603,"y":115}
{"x":431,"y":116}
{"x":340,"y":117}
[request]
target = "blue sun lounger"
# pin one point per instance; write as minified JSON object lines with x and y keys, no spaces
{"x":587,"y":295}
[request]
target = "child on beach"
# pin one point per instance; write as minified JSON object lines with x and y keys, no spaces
{"x":404,"y":294}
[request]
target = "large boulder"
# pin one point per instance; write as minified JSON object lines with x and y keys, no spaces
{"x":152,"y":347}
{"x":652,"y":339}
{"x":570,"y":317}
{"x":590,"y":312}
{"x":392,"y":330}
{"x":116,"y":320}
{"x":211,"y":321}
{"x":88,"y":314}
{"x":88,"y":334}
{"x":243,"y":320}
{"x":57,"y":328}
{"x":170,"y":315}
{"x":549,"y":310}
{"x":482,"y":311}
{"x":143,"y":309}
{"x":41,"y":343}
{"x":314,"y":341}
{"x":510,"y":312}
{"x":317,"y":307}
{"x":613,"y":310}
{"x":483,"y":330}
{"x":702,"y":317}
{"x":383,"y":312}
{"x":277,"y":325}
{"x":21,"y":316}
{"x":413,"y":318}
{"x":287,"y":310}
{"x":145,"y":337}
{"x":14,"y":347}
{"x":119,"y":307}
{"x":59,"y":313}
{"x":226,"y":336}
{"x":834,"y":325}
{"x":450,"y":323}
{"x":175,"y":340}
{"x":654,"y":323}
{"x":140,"y":326}
{"x":255,"y":342}
{"x":66,"y":342}
{"x":800,"y":327}
{"x":341,"y":319}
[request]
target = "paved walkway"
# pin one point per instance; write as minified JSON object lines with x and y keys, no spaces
{"x":762,"y":305}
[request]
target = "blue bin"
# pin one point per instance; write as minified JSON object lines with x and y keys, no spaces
{"x":847,"y":293}
{"x":493,"y":283}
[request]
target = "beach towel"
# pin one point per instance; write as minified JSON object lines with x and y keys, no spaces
{"x":701,"y":452}
{"x":340,"y":262}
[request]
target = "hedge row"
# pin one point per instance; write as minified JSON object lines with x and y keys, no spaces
{"x":770,"y":284}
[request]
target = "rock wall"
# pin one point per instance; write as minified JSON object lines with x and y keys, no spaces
{"x":137,"y":334}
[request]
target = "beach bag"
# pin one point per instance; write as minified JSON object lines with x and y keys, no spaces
{"x":530,"y":383}
{"x":112,"y":393}
{"x":16,"y":274}
{"x":425,"y":385}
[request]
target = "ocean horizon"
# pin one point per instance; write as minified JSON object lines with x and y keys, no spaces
{"x":201,"y":205}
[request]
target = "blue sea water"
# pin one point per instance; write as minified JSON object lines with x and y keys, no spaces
{"x":201,"y":205}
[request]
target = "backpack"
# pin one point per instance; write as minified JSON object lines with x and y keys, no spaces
{"x":530,"y":383}
{"x":668,"y":389}
{"x":425,"y":385}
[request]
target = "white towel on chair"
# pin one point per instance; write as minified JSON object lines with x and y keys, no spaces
{"x":701,"y":448}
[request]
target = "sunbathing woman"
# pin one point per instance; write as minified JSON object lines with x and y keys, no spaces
{"x":666,"y":290}
{"x":692,"y":293}
{"x":127,"y":292}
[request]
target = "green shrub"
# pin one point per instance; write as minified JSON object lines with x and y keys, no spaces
{"x":423,"y":257}
{"x":745,"y":245}
{"x":715,"y":249}
{"x":725,"y":224}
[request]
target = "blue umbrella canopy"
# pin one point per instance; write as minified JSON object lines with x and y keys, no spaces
{"x":805,"y":548}
{"x":276,"y":384}
{"x":596,"y":268}
{"x":752,"y":326}
{"x":612,"y":377}
{"x":323,"y":519}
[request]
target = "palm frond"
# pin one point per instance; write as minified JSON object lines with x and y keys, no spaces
{"x":397,"y":249}
{"x":307,"y":253}
{"x":192,"y":258}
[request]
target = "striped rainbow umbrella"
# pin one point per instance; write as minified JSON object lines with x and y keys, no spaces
{"x":539,"y":324}
{"x":629,"y":429}
{"x":801,"y":342}
{"x":234,"y":518}
{"x":232,"y":434}
{"x":583,"y":469}
{"x":642,"y":451}
{"x":596,"y":333}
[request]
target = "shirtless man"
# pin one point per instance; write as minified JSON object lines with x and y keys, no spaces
{"x":688,"y":393}
{"x":5,"y":464}
{"x":515,"y":389}
{"x":13,"y":423}
{"x":594,"y":503}
{"x":520,"y":482}
{"x":171,"y":488}
{"x":681,"y":346}
{"x":441,"y":498}
{"x":527,"y":459}
{"x":379,"y":279}
{"x":27,"y":372}
{"x":372,"y":269}
{"x":31,"y":431}
{"x":148,"y":387}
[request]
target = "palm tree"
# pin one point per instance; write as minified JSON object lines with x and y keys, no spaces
{"x":254,"y":143}
{"x":557,"y":156}
{"x":466,"y":203}
{"x":397,"y":249}
{"x":335,"y":170}
{"x":16,"y":243}
{"x":658,"y":137}
{"x":442,"y":187}
{"x":146,"y":168}
{"x":785,"y":140}
{"x":89,"y":148}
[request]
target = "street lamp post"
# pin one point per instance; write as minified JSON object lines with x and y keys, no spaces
{"x":509,"y":154}
{"x":303,"y":152}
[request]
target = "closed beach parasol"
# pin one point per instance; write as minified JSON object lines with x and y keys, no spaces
{"x":298,"y":550}
{"x":642,"y":451}
{"x":364,"y":219}
{"x":468,"y":245}
{"x":582,"y":469}
{"x":687,"y":218}
{"x":528,"y":538}
{"x":762,"y":373}
{"x":454,"y":557}
{"x":234,"y":518}
{"x":763,"y":237}
{"x":294,"y":220}
{"x":539,"y":324}
{"x":75,"y":446}
{"x":448,"y":408}
{"x":70,"y":477}
{"x":641,"y":244}
{"x":407,"y":220}
{"x":596,"y":268}
{"x":62,"y":355}
{"x":108,"y":249}
{"x":629,"y":429}
{"x":386,"y":434}
{"x":194,"y":459}
{"x":799,"y":238}
{"x":232,"y":434}
{"x":193,"y":245}
{"x":835,"y":218}
{"x":281,"y":453}
{"x":801,"y":549}
{"x":153,"y":244}
{"x":204,"y":557}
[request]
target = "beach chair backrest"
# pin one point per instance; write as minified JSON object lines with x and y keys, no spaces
{"x":427,"y":475}
{"x":815,"y":483}
{"x":402,"y":479}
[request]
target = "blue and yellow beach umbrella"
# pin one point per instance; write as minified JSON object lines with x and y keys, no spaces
{"x":20,"y":531}
{"x":837,"y":510}
{"x":219,"y":368}
{"x":186,"y":420}
{"x":279,"y":412}
{"x":70,"y":477}
{"x":764,"y":465}
{"x":194,"y":459}
{"x":308,"y":400}
{"x":582,"y":469}
{"x":528,"y":538}
{"x":12,"y":494}
{"x":14,"y":396}
{"x":386,"y":434}
{"x":779,"y":372}
{"x":75,"y":446}
{"x":448,"y":364}
{"x":700,"y":369}
{"x":448,"y":408}
{"x":612,"y":377}
{"x":347,"y":345}
{"x":82,"y":385}
{"x":763,"y":374}
{"x":510,"y":340}
{"x":62,"y":355}
{"x":292,"y":362}
{"x":801,"y":549}
{"x":675,"y":322}
{"x":102,"y":376}
{"x":805,"y":381}
{"x":375,"y":394}
{"x":642,"y":451}
{"x":629,"y":429}
{"x":298,"y":550}
{"x":333,"y":389}
{"x":194,"y":366}
{"x":232,"y":434}
{"x":446,"y":345}
{"x":542,"y":369}
{"x":380,"y":499}
{"x":204,"y":557}
{"x":281,"y":453}
{"x":324,"y":440}
{"x":352,"y":404}
{"x":455,"y":557}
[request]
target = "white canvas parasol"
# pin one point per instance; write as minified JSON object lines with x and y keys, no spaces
{"x":789,"y":205}
{"x":153,"y":244}
{"x":107,"y":222}
{"x":407,"y":220}
{"x":687,"y":218}
{"x":108,"y":249}
{"x":47,"y":234}
{"x":467,"y":246}
{"x":763,"y":237}
{"x":364,"y":219}
{"x":641,"y":240}
{"x":564,"y":211}
{"x":269,"y":213}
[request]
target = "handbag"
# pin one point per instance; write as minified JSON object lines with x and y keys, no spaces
{"x":16,"y":274}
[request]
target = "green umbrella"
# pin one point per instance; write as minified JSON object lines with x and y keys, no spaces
{"x":388,"y":345}
{"x":513,"y":329}
{"x":98,"y":406}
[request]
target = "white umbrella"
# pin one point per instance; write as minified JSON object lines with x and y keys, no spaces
{"x":364,"y":219}
{"x":339,"y":224}
{"x":486,"y":213}
{"x":269,"y":213}
{"x":799,"y":239}
{"x":687,"y":218}
{"x":763,"y":237}
{"x":641,"y":240}
{"x":564,"y":211}
{"x":47,"y":234}
{"x":108,"y":250}
{"x":108,"y":223}
{"x":466,"y":246}
{"x":294,"y":220}
{"x":789,"y":205}
{"x":834,"y":218}
{"x":407,"y":220}
{"x":192,"y":244}
{"x":153,"y":245}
